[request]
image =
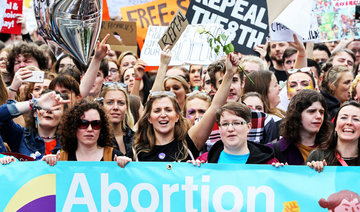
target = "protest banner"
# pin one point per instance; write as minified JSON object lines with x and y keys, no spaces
{"x":176,"y":27}
{"x":246,"y":20}
{"x":296,"y":18}
{"x":155,"y":13}
{"x":28,"y":12}
{"x":336,"y":19}
{"x":122,"y":35}
{"x":191,"y":48}
{"x":159,"y":186}
{"x":116,"y":5}
{"x":8,"y":11}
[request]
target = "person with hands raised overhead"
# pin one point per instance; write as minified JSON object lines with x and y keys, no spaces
{"x":342,"y":149}
{"x":40,"y":136}
{"x":165,"y":134}
{"x":88,"y":81}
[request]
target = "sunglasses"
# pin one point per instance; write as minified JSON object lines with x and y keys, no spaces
{"x":162,"y":93}
{"x":304,"y":70}
{"x":84,"y":124}
{"x":119,"y":84}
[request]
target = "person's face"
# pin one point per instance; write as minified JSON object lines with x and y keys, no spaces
{"x":129,"y":79}
{"x":273,"y":92}
{"x":277,"y":50}
{"x":233,"y":136}
{"x":114,"y":74}
{"x":40,"y":87}
{"x":176,"y":87}
{"x":50,"y":119}
{"x":354,"y":46}
{"x":251,"y":66}
{"x":66,"y":61}
{"x":255,"y":103}
{"x":195,"y":75}
{"x":298,"y":81}
{"x":128,"y":61}
{"x":163,"y":116}
{"x":345,"y":205}
{"x":99,"y":80}
{"x":348,"y":124}
{"x":71,"y":94}
{"x":343,"y":58}
{"x":115,"y":106}
{"x":235,"y":89}
{"x":289,"y":62}
{"x":312,"y":118}
{"x":331,"y":45}
{"x":342,"y":90}
{"x":112,"y":55}
{"x":89,"y":136}
{"x":21,"y":62}
{"x":196,"y":108}
{"x":207,"y":87}
{"x":3,"y":60}
{"x":320,"y":56}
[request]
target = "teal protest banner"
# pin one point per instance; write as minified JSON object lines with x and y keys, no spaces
{"x":149,"y":186}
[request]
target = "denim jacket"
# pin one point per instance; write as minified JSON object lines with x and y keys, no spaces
{"x":20,"y":139}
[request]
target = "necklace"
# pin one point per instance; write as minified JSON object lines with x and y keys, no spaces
{"x":48,"y":137}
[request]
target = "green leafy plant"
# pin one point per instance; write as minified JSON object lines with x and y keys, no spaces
{"x":219,"y":42}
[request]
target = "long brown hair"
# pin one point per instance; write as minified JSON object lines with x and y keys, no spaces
{"x":145,"y":137}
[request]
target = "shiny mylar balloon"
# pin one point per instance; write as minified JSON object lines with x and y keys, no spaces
{"x":72,"y":25}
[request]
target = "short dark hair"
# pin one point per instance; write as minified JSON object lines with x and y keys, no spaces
{"x":219,"y":66}
{"x":235,"y":108}
{"x":104,"y":67}
{"x":78,"y":65}
{"x":289,"y":51}
{"x":322,"y":47}
{"x":66,"y":81}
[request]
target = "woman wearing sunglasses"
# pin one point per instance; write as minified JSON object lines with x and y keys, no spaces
{"x":85,"y":135}
{"x":40,"y":137}
{"x":117,"y":108}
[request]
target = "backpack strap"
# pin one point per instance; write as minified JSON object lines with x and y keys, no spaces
{"x":108,"y":154}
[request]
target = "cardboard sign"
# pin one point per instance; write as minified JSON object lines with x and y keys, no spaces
{"x":246,"y":20}
{"x":116,"y":5}
{"x":175,"y":29}
{"x":8,"y":12}
{"x":191,"y":48}
{"x":155,"y":13}
{"x":122,"y":35}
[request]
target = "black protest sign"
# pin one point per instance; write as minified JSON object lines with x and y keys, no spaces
{"x":245,"y":20}
{"x":174,"y":31}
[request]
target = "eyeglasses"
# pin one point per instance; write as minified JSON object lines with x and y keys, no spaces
{"x":234,"y":124}
{"x":84,"y":124}
{"x":108,"y":84}
{"x":162,"y":93}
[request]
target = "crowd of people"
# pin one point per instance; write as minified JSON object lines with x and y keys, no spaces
{"x":293,"y":103}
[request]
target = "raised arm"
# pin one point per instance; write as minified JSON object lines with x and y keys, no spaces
{"x":165,"y":58}
{"x":87,"y":81}
{"x":301,"y":60}
{"x":200,"y":132}
{"x":139,"y":71}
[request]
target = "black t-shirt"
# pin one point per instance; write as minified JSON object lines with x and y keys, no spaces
{"x":72,"y":155}
{"x":170,"y":152}
{"x":280,"y":75}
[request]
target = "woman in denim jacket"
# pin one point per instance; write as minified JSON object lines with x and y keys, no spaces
{"x":39,"y":138}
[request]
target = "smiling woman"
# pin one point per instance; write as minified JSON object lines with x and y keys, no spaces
{"x":343,"y":147}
